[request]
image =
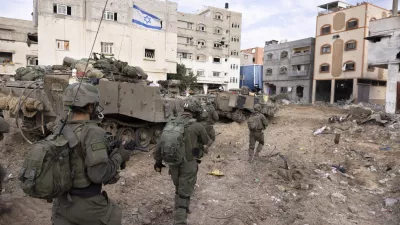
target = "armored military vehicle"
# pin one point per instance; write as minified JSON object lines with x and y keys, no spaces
{"x":132,"y":111}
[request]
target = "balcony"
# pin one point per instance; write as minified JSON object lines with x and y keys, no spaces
{"x":297,"y":73}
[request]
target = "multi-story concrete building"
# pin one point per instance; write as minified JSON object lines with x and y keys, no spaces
{"x":257,"y":56}
{"x":288,"y":68}
{"x":209,"y":46}
{"x":341,"y":69}
{"x":383,"y":53}
{"x":18,"y":45}
{"x":246,"y":59}
{"x":68,"y":28}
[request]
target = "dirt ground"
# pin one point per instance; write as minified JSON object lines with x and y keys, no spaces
{"x":308,"y":191}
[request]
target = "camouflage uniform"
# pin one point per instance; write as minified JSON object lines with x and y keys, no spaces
{"x":209,"y":121}
{"x":86,"y":204}
{"x":257,"y":134}
{"x":4,"y":127}
{"x":184,"y":176}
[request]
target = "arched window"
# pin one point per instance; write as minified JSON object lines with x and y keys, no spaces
{"x":349,"y":66}
{"x":269,"y":56}
{"x":201,"y":43}
{"x":352,"y":24}
{"x":268,"y":71}
{"x":217,"y":30}
{"x":284,"y":54}
{"x":324,"y":68}
{"x":283,"y":70}
{"x":326,"y":49}
{"x":201,"y":27}
{"x":350,"y":45}
{"x":326,"y":29}
{"x":218,"y":16}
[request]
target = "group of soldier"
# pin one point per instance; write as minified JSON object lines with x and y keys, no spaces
{"x":93,"y":165}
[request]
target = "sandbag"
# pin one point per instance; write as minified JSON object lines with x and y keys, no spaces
{"x":95,"y":73}
{"x":69,"y":61}
{"x":80,"y":67}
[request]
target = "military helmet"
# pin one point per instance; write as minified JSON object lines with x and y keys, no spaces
{"x":193,"y":105}
{"x":257,"y":107}
{"x":87,"y":93}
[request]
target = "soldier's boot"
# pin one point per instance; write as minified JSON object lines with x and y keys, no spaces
{"x":182,"y":210}
{"x":251,"y":154}
{"x":258,"y":150}
{"x":177,"y":204}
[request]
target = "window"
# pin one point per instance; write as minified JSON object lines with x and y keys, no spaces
{"x":107,"y":48}
{"x":149,"y":53}
{"x":110,"y":15}
{"x":324,"y":68}
{"x":218,"y":30}
{"x":235,"y":53}
{"x":284,"y":54}
{"x":269,"y":56}
{"x":371,"y":68}
{"x":201,"y":27}
{"x":62,"y":45}
{"x":325,"y":49}
{"x":32,"y":61}
{"x":184,"y":55}
{"x":6,"y":57}
{"x":217,"y":60}
{"x":298,"y":68}
{"x":352,"y":24}
{"x":201,"y":58}
{"x":373,"y":18}
{"x":254,"y":60}
{"x":202,"y":43}
{"x":268,"y":71}
{"x":216,"y":74}
{"x":246,"y":56}
{"x":349,"y":66}
{"x":227,"y":31}
{"x":326,"y":29}
{"x":217,"y":45}
{"x":253,"y":50}
{"x":334,"y":37}
{"x":283,"y":70}
{"x":351,"y":45}
{"x":200,"y":73}
{"x":62,"y":9}
{"x":218,"y":16}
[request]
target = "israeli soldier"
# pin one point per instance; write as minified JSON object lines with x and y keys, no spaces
{"x":4,"y":128}
{"x":184,"y":175}
{"x":257,"y":123}
{"x":86,"y":204}
{"x":209,"y":121}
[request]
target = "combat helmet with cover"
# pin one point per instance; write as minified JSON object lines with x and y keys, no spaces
{"x":47,"y":172}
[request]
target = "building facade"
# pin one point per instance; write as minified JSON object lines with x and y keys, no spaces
{"x":341,"y":69}
{"x":288,"y":68}
{"x":251,"y":76}
{"x":257,"y":56}
{"x":383,"y":53}
{"x":209,"y":46}
{"x":246,"y":59}
{"x":18,"y":45}
{"x":69,"y":27}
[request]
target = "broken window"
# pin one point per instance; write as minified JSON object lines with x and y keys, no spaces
{"x":6,"y":57}
{"x":107,"y":48}
{"x":62,"y":45}
{"x":349,"y":66}
{"x":283,"y":70}
{"x":351,"y":45}
{"x":268,"y":71}
{"x":325,"y":49}
{"x":324,"y":68}
{"x":269,"y":56}
{"x":371,"y":68}
{"x":217,"y":60}
{"x":218,"y":30}
{"x":352,"y":24}
{"x":284,"y":90}
{"x":217,"y":45}
{"x":110,"y":16}
{"x":284,"y":54}
{"x":216,"y":74}
{"x":149,"y":53}
{"x":32,"y":61}
{"x":298,"y":68}
{"x":299,"y":91}
{"x":201,"y":27}
{"x":62,"y":9}
{"x":326,"y":29}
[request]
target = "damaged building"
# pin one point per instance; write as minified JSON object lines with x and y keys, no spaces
{"x":383,"y":53}
{"x":18,"y":45}
{"x":288,"y":68}
{"x":341,"y":71}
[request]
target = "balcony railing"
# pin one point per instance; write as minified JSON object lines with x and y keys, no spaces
{"x":297,"y":73}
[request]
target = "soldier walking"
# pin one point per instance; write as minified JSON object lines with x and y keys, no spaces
{"x":180,"y":147}
{"x":257,"y":123}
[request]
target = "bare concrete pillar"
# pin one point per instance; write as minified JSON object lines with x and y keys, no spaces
{"x":333,"y":91}
{"x":391,"y":88}
{"x":355,"y":89}
{"x":314,"y":91}
{"x":395,"y":8}
{"x":205,"y":88}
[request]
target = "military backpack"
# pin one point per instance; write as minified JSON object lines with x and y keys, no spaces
{"x":172,"y":141}
{"x":253,"y":122}
{"x":47,"y":172}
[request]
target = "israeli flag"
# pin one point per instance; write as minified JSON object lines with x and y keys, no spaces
{"x":145,"y":19}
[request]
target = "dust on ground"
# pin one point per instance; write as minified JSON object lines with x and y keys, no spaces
{"x":310,"y":191}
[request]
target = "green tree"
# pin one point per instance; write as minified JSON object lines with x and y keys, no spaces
{"x":187,"y":80}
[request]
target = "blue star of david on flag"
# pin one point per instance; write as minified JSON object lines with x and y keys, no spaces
{"x":145,"y":19}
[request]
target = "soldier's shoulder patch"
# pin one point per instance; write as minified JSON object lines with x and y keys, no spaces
{"x":98,"y":146}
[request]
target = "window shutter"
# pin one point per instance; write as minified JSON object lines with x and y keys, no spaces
{"x":69,"y":10}
{"x":55,"y":8}
{"x":115,"y":16}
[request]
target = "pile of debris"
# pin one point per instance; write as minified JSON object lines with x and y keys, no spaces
{"x":102,"y":67}
{"x":363,"y":115}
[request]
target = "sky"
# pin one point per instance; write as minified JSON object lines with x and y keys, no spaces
{"x":262,"y":20}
